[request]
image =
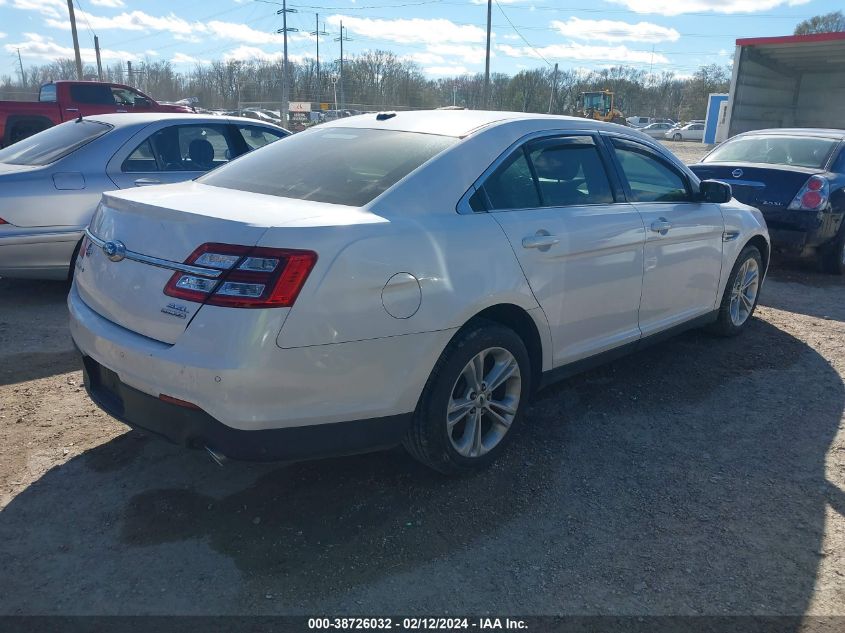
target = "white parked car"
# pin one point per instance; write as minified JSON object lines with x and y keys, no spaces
{"x":400,"y":278}
{"x":51,"y":183}
{"x":688,"y":132}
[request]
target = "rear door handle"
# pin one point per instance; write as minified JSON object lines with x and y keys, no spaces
{"x":143,"y":182}
{"x":661,"y":226}
{"x":540,"y":241}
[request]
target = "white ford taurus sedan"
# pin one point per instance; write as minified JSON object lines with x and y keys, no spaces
{"x":400,"y":278}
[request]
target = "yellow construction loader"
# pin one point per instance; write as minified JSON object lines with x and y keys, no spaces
{"x":601,"y":106}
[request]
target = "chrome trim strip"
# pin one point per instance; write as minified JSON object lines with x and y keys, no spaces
{"x":160,"y":263}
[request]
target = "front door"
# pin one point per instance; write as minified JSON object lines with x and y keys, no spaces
{"x":683,"y":249}
{"x":580,"y":248}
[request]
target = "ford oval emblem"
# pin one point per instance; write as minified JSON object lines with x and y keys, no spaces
{"x":115,"y":251}
{"x":736,"y":173}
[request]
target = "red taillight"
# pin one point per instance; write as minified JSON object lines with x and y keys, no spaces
{"x":811,"y":200}
{"x":2,"y":221}
{"x":253,"y":277}
{"x":812,"y":196}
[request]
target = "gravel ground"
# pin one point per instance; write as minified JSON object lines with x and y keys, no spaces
{"x":701,"y":476}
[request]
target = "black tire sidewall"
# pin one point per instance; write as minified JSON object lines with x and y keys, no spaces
{"x":430,"y":416}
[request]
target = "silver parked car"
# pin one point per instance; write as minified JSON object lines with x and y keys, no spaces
{"x":656,"y":130}
{"x":51,"y":183}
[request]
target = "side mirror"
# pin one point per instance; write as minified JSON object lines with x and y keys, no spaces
{"x":715,"y":191}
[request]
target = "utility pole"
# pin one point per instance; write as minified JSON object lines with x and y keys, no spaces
{"x":23,"y":76}
{"x":318,"y":33}
{"x":75,"y":39}
{"x":284,"y":31}
{"x":554,"y":89}
{"x":341,"y":39}
{"x":99,"y":61}
{"x":129,"y":73}
{"x":486,"y":97}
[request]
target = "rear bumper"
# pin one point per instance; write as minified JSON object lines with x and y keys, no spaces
{"x":195,"y":428}
{"x":800,"y":233}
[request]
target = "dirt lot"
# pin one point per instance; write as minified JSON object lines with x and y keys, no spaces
{"x":703,"y":476}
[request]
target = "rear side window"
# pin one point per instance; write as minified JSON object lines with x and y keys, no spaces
{"x":48,"y":93}
{"x":141,"y":160}
{"x":570,"y":172}
{"x":650,"y":178}
{"x":186,"y":148}
{"x":54,"y":143}
{"x":349,"y":166}
{"x":512,"y":186}
{"x":94,"y":94}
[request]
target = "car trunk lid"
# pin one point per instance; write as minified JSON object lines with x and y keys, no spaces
{"x":769,"y":188}
{"x":160,"y":228}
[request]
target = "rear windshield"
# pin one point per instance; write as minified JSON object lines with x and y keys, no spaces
{"x":337,"y":165}
{"x":54,"y":143}
{"x":801,"y":151}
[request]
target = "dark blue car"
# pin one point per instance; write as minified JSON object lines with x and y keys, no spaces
{"x":796,"y":177}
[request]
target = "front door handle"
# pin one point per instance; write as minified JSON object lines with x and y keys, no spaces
{"x":143,"y":182}
{"x":540,"y":241}
{"x":661,"y":226}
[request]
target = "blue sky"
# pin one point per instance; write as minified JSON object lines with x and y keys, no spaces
{"x":445,"y":37}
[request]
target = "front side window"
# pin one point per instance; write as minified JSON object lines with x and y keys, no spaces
{"x":53,"y":143}
{"x":569,"y":172}
{"x":128,"y":98}
{"x":650,"y":178}
{"x":349,"y":166}
{"x":256,"y":137}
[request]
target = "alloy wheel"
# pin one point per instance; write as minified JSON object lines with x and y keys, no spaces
{"x":744,"y":291}
{"x":483,"y":402}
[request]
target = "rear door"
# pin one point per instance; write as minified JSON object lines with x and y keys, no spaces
{"x":173,"y":152}
{"x":683,"y":247}
{"x":579,"y":243}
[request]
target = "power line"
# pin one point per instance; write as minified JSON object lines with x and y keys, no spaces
{"x":522,"y":37}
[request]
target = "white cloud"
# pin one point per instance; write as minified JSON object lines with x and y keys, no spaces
{"x":446,"y":70}
{"x":112,"y":4}
{"x":2,"y":35}
{"x":182,"y":58}
{"x":466,"y":54}
{"x":425,"y":58}
{"x":677,"y":7}
{"x":615,"y":31}
{"x":250,"y":53}
{"x":132,"y":21}
{"x":51,"y":8}
{"x":403,"y":31}
{"x":573,"y":50}
{"x":39,"y":47}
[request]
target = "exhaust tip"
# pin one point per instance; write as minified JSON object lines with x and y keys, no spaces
{"x":218,"y":458}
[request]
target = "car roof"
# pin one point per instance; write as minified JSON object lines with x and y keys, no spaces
{"x":458,"y":123}
{"x":799,"y":131}
{"x":127,"y":119}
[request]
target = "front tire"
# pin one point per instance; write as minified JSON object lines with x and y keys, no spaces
{"x":472,"y":401}
{"x":741,"y":293}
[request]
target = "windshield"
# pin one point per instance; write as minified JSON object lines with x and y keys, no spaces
{"x":774,"y":150}
{"x":596,"y":101}
{"x":54,"y":143}
{"x":337,"y":165}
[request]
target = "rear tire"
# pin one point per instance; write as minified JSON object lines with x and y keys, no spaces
{"x":741,"y":294}
{"x":832,"y":258}
{"x":462,"y":423}
{"x":677,"y":137}
{"x":73,"y":257}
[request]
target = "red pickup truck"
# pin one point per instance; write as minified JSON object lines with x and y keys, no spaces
{"x":64,"y":100}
